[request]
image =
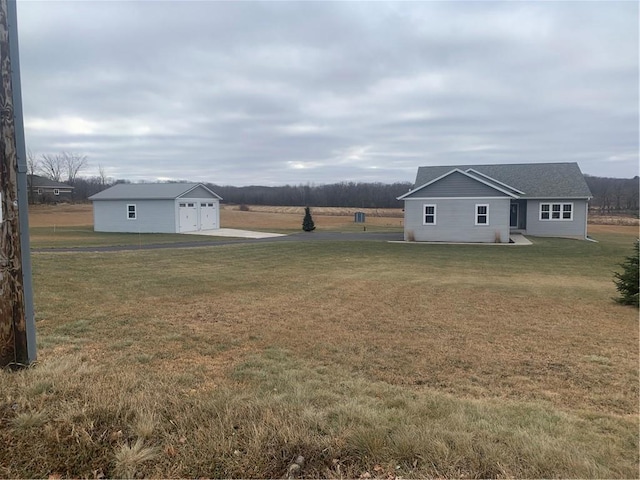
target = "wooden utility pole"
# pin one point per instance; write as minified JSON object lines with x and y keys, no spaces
{"x":16,"y":311}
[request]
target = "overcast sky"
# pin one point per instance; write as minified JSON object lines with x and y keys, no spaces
{"x":274,"y":93}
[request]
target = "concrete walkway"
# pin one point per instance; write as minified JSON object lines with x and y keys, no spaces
{"x":232,"y":232}
{"x":515,"y":239}
{"x":519,"y":239}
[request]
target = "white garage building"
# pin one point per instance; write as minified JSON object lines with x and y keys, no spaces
{"x":156,"y":208}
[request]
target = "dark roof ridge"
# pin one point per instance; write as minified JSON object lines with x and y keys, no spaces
{"x":456,"y":165}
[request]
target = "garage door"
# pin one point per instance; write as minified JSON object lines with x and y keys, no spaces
{"x":208,"y":216}
{"x":188,"y":216}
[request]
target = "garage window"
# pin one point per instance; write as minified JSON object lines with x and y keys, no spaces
{"x":132,"y":213}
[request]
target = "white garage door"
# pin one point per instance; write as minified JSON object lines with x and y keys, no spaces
{"x":208,"y":216}
{"x":188,"y":216}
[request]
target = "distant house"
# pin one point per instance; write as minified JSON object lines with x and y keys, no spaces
{"x":45,"y":190}
{"x":156,"y":208}
{"x":485,"y":203}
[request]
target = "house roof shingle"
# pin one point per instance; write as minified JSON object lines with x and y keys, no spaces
{"x":536,"y":180}
{"x":36,"y":181}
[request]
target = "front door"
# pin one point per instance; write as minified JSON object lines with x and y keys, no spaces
{"x":513,"y":215}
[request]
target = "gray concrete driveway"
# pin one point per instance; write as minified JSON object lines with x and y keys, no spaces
{"x":234,"y":232}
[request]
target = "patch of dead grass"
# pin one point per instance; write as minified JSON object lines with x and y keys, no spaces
{"x":61,"y":215}
{"x":597,"y":219}
{"x":290,"y":218}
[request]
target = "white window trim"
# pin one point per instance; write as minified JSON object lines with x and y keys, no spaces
{"x":483,"y":214}
{"x":424,"y":214}
{"x":135,"y":211}
{"x":56,"y":191}
{"x":551,"y":219}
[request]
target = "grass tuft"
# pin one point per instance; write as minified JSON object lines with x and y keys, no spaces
{"x":27,"y":420}
{"x":145,"y":425}
{"x":129,"y":459}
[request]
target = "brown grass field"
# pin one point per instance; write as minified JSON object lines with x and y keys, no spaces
{"x":258,"y":217}
{"x":368,"y":359}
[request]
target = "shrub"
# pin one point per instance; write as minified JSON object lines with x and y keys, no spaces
{"x":307,"y":222}
{"x":627,"y":281}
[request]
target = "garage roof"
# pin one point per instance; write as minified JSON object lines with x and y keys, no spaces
{"x":148,"y":191}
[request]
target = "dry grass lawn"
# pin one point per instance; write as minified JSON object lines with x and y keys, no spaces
{"x":366,"y":358}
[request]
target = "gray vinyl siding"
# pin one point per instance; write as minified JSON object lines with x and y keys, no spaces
{"x":455,"y":220}
{"x":199,"y":193}
{"x":557,"y":228}
{"x":152,"y":216}
{"x":456,"y":185}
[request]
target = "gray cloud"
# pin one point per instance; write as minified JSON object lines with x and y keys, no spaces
{"x":295,"y":92}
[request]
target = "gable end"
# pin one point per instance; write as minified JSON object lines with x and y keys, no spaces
{"x":457,"y":184}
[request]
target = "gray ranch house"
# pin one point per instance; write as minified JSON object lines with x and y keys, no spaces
{"x":486,"y":203}
{"x":156,"y":208}
{"x":45,"y":190}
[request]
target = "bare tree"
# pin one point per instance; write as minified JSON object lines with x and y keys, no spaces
{"x":102,"y":174}
{"x":33,"y":163}
{"x":65,"y":164}
{"x":52,"y":166}
{"x":73,"y":163}
{"x":33,"y":166}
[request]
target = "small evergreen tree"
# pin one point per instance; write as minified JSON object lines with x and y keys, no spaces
{"x":307,"y":222}
{"x":627,"y":281}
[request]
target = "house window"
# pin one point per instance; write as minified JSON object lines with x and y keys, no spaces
{"x":482,"y":214}
{"x":56,"y":191}
{"x":131,"y":212}
{"x":429,"y":215}
{"x":556,"y":211}
{"x":39,"y":191}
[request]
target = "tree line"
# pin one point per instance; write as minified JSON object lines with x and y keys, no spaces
{"x":343,"y":194}
{"x":614,"y":195}
{"x":610,"y":195}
